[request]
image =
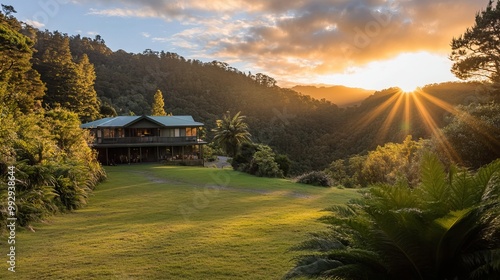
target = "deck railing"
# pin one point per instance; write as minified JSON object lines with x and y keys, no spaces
{"x":145,"y":139}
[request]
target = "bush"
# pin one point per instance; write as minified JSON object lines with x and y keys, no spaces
{"x":244,"y":156}
{"x":315,"y":178}
{"x":259,"y":160}
{"x":284,"y":163}
{"x":264,"y":165}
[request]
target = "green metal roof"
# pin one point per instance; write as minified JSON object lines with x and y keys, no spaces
{"x":124,"y":121}
{"x":175,"y":120}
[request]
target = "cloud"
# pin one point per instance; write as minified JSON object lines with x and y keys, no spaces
{"x":353,"y":33}
{"x":189,"y":11}
{"x":289,"y":38}
{"x":35,"y":23}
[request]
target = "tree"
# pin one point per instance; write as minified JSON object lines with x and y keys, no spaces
{"x":20,"y":86}
{"x":69,"y":84}
{"x":393,"y":162}
{"x":473,"y":135}
{"x":158,"y":105}
{"x":107,"y":110}
{"x":88,"y":103}
{"x":231,"y":132}
{"x":475,"y":53}
{"x":8,"y":10}
{"x":447,"y":228}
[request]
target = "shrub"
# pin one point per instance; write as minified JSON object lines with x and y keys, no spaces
{"x":259,"y":160}
{"x":284,"y":163}
{"x":315,"y":178}
{"x":244,"y":156}
{"x":445,"y":228}
{"x":264,"y":165}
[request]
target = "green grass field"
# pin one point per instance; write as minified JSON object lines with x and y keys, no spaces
{"x":159,"y":222}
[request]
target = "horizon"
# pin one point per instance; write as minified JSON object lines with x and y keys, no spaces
{"x":363,"y":44}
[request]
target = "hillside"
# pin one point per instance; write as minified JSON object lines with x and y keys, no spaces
{"x":340,"y":95}
{"x":311,"y":132}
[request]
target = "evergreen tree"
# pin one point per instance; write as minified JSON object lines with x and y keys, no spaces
{"x":21,"y":89}
{"x":475,"y":53}
{"x":55,"y":168}
{"x":69,"y":84}
{"x":158,"y":105}
{"x":88,"y":103}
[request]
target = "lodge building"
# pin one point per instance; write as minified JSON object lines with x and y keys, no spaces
{"x":133,"y":139}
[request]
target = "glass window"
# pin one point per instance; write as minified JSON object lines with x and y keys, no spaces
{"x":191,"y":131}
{"x":108,"y":133}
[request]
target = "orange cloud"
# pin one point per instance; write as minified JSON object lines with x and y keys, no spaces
{"x":287,"y":38}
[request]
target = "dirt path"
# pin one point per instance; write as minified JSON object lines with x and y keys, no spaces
{"x":221,"y":162}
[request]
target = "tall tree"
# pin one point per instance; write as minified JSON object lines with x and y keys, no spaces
{"x":69,"y":84}
{"x":158,"y":104}
{"x":20,"y":86}
{"x":231,"y":132}
{"x":21,"y":89}
{"x":88,"y":103}
{"x":475,"y":53}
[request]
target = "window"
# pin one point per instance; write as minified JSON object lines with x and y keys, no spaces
{"x":191,"y":131}
{"x":108,"y":133}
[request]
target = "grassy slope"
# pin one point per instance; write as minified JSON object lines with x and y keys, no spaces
{"x":156,"y":222}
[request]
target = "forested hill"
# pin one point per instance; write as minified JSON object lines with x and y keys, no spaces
{"x":290,"y":122}
{"x":311,"y":132}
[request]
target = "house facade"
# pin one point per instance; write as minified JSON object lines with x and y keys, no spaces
{"x":133,"y":139}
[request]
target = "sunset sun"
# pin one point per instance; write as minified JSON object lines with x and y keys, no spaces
{"x":407,"y":71}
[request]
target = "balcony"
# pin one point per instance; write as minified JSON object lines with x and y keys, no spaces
{"x":147,"y":140}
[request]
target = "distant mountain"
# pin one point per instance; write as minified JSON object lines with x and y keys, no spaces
{"x":340,"y":95}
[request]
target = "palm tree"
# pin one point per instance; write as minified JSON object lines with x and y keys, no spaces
{"x":231,"y":132}
{"x":446,"y":228}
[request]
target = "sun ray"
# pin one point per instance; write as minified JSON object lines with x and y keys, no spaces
{"x":382,"y":133}
{"x":468,"y":119}
{"x":407,"y":124}
{"x":405,"y":107}
{"x":434,"y":128}
{"x":438,"y":102}
{"x":372,"y":115}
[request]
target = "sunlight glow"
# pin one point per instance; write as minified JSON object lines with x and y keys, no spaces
{"x":404,"y":106}
{"x":406,"y":71}
{"x":382,"y":133}
{"x":370,"y":117}
{"x":433,"y":127}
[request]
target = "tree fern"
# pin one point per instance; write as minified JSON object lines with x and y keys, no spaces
{"x":446,"y":228}
{"x":433,"y":191}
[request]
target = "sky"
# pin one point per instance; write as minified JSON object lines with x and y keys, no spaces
{"x":372,"y":44}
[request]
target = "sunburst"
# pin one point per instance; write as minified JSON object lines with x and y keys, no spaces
{"x":401,"y":105}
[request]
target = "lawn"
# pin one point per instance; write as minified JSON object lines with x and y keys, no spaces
{"x":159,"y":222}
